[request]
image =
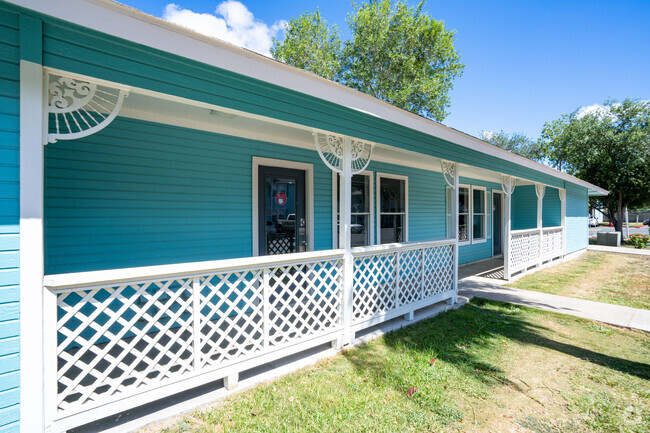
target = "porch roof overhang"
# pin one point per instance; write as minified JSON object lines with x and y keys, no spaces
{"x":131,"y":24}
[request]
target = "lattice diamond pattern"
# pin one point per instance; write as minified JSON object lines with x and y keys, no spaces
{"x":230,"y":320}
{"x":304,"y":300}
{"x":115,"y":339}
{"x":118,"y":340}
{"x":524,"y":250}
{"x":410,"y":281}
{"x":438,"y":270}
{"x":374,"y":289}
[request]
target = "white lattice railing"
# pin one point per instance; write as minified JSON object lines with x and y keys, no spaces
{"x":532,"y":247}
{"x":121,"y":338}
{"x":552,"y":243}
{"x":391,"y":281}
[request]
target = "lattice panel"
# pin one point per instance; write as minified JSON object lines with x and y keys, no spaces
{"x":438,"y":270}
{"x":374,"y":285}
{"x":552,"y":244}
{"x":116,"y":339}
{"x":304,"y":300}
{"x":410,"y":276}
{"x":524,"y":250}
{"x":230,"y":320}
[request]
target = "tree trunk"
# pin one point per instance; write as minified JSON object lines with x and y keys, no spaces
{"x":618,"y":225}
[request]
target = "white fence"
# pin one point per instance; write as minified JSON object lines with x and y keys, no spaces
{"x":534,"y":246}
{"x":121,"y":338}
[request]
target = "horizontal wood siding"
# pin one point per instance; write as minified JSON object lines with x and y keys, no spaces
{"x":139,"y":193}
{"x":551,"y":208}
{"x":9,"y":220}
{"x":78,"y":49}
{"x":524,"y":208}
{"x":577,"y":210}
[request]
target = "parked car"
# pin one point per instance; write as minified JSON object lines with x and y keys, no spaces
{"x":646,"y":222}
{"x":593,"y":222}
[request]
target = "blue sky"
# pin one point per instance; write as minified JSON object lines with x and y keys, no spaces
{"x":527,"y":61}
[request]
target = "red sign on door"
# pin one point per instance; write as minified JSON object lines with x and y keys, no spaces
{"x":281,"y":198}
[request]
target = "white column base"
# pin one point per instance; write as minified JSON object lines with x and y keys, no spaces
{"x":231,"y":382}
{"x":410,"y":316}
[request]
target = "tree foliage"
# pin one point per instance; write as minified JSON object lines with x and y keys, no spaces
{"x":310,"y":44}
{"x":396,"y":53}
{"x":609,"y":147}
{"x":516,"y":143}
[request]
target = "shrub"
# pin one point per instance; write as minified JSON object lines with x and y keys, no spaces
{"x":638,"y":241}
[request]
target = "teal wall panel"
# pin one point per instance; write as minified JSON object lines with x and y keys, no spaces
{"x":577,"y":211}
{"x":524,"y":208}
{"x":9,"y":219}
{"x":551,"y":208}
{"x":139,"y":194}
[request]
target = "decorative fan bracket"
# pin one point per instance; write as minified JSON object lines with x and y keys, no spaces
{"x":332,"y":150}
{"x":449,"y":172}
{"x":77,"y":108}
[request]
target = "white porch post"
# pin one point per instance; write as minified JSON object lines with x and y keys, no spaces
{"x":540,"y":189}
{"x":562,"y":193}
{"x":346,"y":156}
{"x":345,"y":192}
{"x":454,"y":215}
{"x":508,"y":187}
{"x":450,"y":172}
{"x":32,"y":357}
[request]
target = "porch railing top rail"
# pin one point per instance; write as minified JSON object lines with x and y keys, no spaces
{"x":533,"y":230}
{"x":387,"y":248}
{"x":65,"y":282}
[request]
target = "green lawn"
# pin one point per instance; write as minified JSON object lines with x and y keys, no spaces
{"x":485,"y":367}
{"x":613,"y":278}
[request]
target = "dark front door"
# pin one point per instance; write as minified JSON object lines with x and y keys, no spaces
{"x":282,"y":224}
{"x":497,"y":224}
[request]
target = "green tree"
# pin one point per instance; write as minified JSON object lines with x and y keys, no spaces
{"x":396,"y":53}
{"x":310,"y":44}
{"x":609,"y":147}
{"x":516,"y":143}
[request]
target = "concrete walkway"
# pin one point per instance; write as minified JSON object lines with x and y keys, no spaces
{"x":626,"y":317}
{"x":621,"y":250}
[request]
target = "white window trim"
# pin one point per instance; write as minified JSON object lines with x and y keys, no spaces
{"x":471,"y":196}
{"x":469,"y":214}
{"x":381,"y":176}
{"x":371,"y":213}
{"x":309,"y":196}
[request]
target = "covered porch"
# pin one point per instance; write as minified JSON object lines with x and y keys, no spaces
{"x":187,"y":242}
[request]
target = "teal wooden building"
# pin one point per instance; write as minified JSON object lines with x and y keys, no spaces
{"x":175,"y":210}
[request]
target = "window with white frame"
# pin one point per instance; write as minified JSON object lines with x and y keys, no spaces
{"x":479,"y":213}
{"x":392,"y":207}
{"x":463,"y":214}
{"x":360,"y":209}
{"x":472,"y":214}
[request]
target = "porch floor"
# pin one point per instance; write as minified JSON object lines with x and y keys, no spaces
{"x":490,"y":268}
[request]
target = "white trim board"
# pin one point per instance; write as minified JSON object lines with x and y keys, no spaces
{"x":309,"y":196}
{"x":133,"y":25}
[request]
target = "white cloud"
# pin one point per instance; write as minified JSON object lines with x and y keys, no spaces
{"x":599,"y":110}
{"x":231,"y":22}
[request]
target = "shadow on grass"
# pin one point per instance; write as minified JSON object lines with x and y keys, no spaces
{"x":459,"y":337}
